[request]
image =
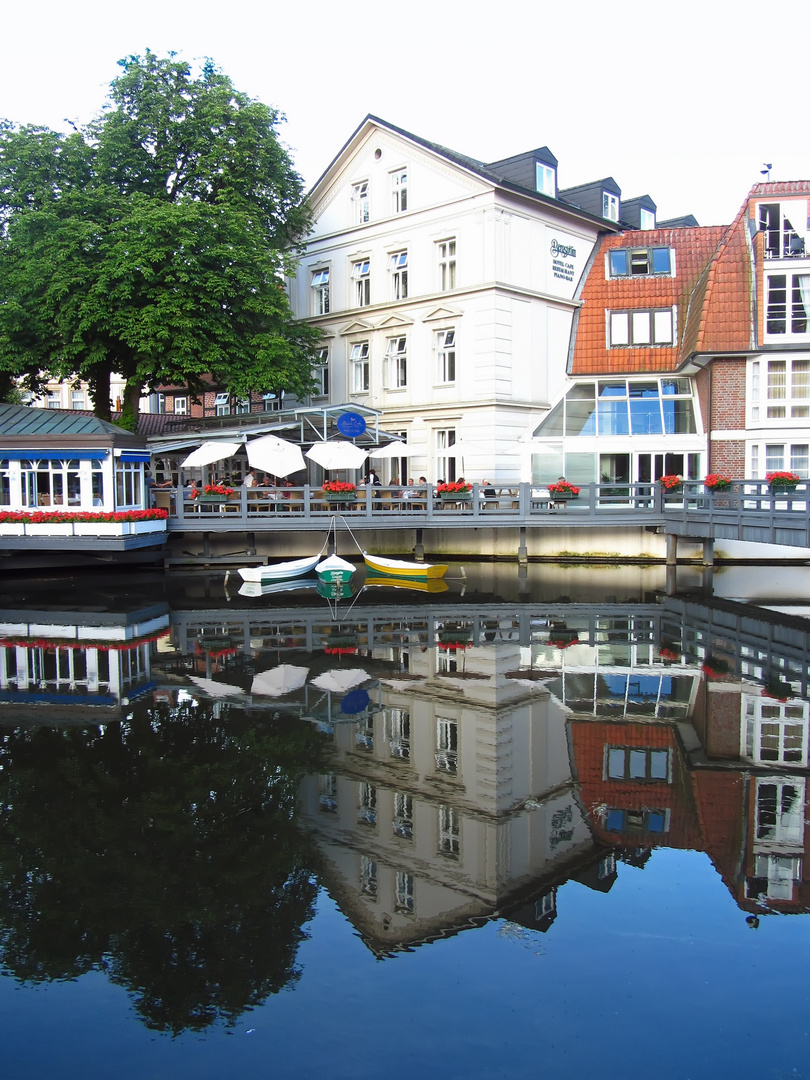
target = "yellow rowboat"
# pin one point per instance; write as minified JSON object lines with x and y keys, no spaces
{"x":433,"y":585}
{"x":402,"y":569}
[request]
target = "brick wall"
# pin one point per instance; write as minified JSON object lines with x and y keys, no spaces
{"x":722,"y":399}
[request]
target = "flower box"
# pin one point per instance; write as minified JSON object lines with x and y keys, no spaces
{"x":455,"y":496}
{"x":101,"y":528}
{"x":211,"y":499}
{"x":17,"y":529}
{"x":51,"y":528}
{"x":340,"y":496}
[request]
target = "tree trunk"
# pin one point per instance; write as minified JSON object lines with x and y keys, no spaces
{"x":98,"y":381}
{"x":132,"y":403}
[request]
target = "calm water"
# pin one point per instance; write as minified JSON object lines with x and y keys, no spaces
{"x":541,"y":825}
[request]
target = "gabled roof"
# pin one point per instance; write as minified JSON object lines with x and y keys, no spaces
{"x":693,"y":249}
{"x":490,"y":173}
{"x":24,"y":420}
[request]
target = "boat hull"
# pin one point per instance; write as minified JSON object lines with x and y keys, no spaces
{"x":279,"y":571}
{"x":387,"y":581}
{"x":334,"y":570}
{"x":402,"y":569}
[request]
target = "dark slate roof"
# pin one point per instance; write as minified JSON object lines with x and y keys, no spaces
{"x":26,"y":420}
{"x":686,"y":221}
{"x":486,"y":172}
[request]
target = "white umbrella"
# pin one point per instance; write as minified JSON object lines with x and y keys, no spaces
{"x":216,"y":689}
{"x":339,"y":680}
{"x":210,"y":452}
{"x":275,"y":455}
{"x":280,"y":680}
{"x":396,"y":450}
{"x":337,"y":455}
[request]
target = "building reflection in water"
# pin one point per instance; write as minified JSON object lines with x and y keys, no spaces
{"x":475,"y":760}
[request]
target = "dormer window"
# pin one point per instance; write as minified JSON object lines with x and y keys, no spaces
{"x":545,"y":179}
{"x":646,"y":219}
{"x":782,"y":240}
{"x":610,"y":206}
{"x":641,"y":262}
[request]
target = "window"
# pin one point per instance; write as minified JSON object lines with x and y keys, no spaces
{"x":449,"y":832}
{"x":128,"y":479}
{"x":446,"y":745}
{"x":243,"y":405}
{"x":623,"y":407}
{"x":774,"y":457}
{"x":359,"y":367}
{"x":776,"y":731}
{"x":781,"y":239}
{"x":320,"y":373}
{"x":446,"y":256}
{"x":54,"y":401}
{"x":400,"y":728}
{"x":360,"y":202}
{"x":361,"y":273}
{"x":640,"y":262}
{"x":399,"y":275}
{"x":273,"y":401}
{"x":545,"y":179}
{"x":446,"y":356}
{"x":222,"y":404}
{"x":396,"y":357}
{"x":181,"y":406}
{"x":646,"y":219}
{"x":633,"y":329}
{"x":77,"y":400}
{"x":787,"y":389}
{"x":610,"y":206}
{"x":54,"y":483}
{"x":637,"y":763}
{"x":320,"y":292}
{"x":780,"y":811}
{"x":404,"y":893}
{"x":5,"y":483}
{"x":367,"y":810}
{"x":403,"y":815}
{"x":399,"y":188}
{"x":368,"y":877}
{"x":787,"y":304}
{"x":648,"y":821}
{"x":445,"y":457}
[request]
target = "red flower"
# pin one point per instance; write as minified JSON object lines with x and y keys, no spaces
{"x":338,"y":487}
{"x":455,"y":487}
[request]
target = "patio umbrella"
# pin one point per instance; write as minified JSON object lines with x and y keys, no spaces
{"x":280,"y":680}
{"x":216,"y":689}
{"x":396,"y":450}
{"x":210,"y":452}
{"x":339,"y":680}
{"x":274,"y":455}
{"x":337,"y":455}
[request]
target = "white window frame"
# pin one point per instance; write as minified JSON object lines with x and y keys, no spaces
{"x":446,"y":263}
{"x":646,"y":219}
{"x":545,"y":179}
{"x":360,"y":201}
{"x":78,"y":400}
{"x":642,"y":328}
{"x":399,"y":190}
{"x":54,"y":400}
{"x":446,"y":356}
{"x":793,"y":311}
{"x":445,"y":440}
{"x":446,"y":745}
{"x":222,"y":405}
{"x":398,"y":266}
{"x":181,"y":406}
{"x":361,"y":276}
{"x":640,"y":764}
{"x":610,"y":206}
{"x":396,"y":363}
{"x":359,"y":363}
{"x":320,"y":291}
{"x":449,"y":831}
{"x":320,"y":372}
{"x":640,"y":262}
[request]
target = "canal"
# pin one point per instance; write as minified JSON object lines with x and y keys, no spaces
{"x":541,"y":822}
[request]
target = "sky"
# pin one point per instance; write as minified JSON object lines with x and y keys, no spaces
{"x":685,"y":102}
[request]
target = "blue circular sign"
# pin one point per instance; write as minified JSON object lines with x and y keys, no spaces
{"x":351,"y":424}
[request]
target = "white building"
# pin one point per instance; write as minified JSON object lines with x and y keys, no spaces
{"x":445,"y":291}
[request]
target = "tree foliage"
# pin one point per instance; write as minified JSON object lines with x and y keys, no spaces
{"x":154,"y":241}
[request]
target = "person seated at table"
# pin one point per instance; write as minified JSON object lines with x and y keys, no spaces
{"x":394,"y":483}
{"x":489,"y":490}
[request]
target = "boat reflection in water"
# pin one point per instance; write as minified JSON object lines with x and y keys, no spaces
{"x":451,"y":762}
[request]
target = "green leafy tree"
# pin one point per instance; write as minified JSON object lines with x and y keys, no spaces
{"x":154,"y":242}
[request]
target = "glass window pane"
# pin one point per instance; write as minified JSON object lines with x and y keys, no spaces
{"x":616,"y":763}
{"x":613,"y":418}
{"x":675,"y":386}
{"x":613,"y":389}
{"x":552,"y":423}
{"x":648,"y":390}
{"x":661,"y":261}
{"x":663,"y":327}
{"x":638,"y":764}
{"x":619,"y":328}
{"x":641,"y":328}
{"x":659,"y":759}
{"x":679,"y":417}
{"x":645,"y":417}
{"x":580,"y":417}
{"x":618,"y":263}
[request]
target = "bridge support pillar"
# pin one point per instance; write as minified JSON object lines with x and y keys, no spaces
{"x":419,"y":547}
{"x":672,"y":549}
{"x":523,"y":551}
{"x":708,"y":552}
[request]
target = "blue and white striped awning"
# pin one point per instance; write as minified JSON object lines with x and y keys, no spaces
{"x":72,"y":454}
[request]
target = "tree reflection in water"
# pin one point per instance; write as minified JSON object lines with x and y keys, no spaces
{"x":162,"y":851}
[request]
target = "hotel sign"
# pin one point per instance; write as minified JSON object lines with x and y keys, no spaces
{"x":561,"y":255}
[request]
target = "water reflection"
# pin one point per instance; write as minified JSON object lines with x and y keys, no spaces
{"x":167,"y":811}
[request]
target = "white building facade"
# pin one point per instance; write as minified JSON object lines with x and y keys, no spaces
{"x":445,"y":294}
